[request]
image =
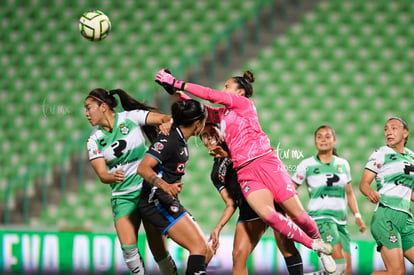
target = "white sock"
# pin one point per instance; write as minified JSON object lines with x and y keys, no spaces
{"x":134,"y":261}
{"x":340,"y":268}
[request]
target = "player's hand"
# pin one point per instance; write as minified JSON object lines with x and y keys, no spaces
{"x":218,"y":152}
{"x":166,"y":127}
{"x":172,"y":189}
{"x":119,"y":176}
{"x":361,"y":224}
{"x":214,"y":239}
{"x":373,"y":196}
{"x":166,"y":80}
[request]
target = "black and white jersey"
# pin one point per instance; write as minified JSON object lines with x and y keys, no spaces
{"x":171,"y":152}
{"x":223,"y":176}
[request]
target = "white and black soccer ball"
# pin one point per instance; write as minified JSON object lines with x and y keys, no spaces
{"x":94,"y":25}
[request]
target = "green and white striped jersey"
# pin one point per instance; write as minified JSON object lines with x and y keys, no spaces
{"x":327,"y":187}
{"x":394,"y":177}
{"x":122,"y":149}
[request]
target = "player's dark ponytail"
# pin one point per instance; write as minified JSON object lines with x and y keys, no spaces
{"x":128,"y":104}
{"x":187,"y":112}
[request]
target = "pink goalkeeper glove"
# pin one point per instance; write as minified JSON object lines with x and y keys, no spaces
{"x":166,"y":80}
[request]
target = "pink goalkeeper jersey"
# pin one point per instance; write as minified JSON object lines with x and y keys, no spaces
{"x":239,"y":123}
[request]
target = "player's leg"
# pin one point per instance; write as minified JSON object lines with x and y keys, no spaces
{"x":127,"y":222}
{"x":292,"y":256}
{"x":393,"y":260}
{"x":346,"y":247}
{"x":329,"y":231}
{"x":246,"y":237}
{"x":261,"y":201}
{"x":158,"y":247}
{"x":385,"y":228}
{"x":127,"y":229}
{"x":186,"y":233}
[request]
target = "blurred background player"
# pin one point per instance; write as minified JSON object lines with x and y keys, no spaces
{"x":250,"y":228}
{"x":162,"y":169}
{"x":116,"y":147}
{"x":328,"y":178}
{"x":392,"y":225}
{"x":262,"y":176}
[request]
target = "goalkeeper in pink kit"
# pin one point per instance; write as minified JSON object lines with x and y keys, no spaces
{"x":262,"y":176}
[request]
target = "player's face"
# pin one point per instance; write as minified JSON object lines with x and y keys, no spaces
{"x":210,"y":136}
{"x":199,"y":127}
{"x":394,"y":133}
{"x":93,"y":111}
{"x":231,"y":87}
{"x":324,"y":140}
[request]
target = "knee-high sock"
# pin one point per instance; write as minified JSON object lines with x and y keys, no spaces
{"x":286,"y":227}
{"x":307,"y":225}
{"x":294,"y":264}
{"x":166,"y":264}
{"x":340,"y":266}
{"x":133,"y":259}
{"x":196,"y":265}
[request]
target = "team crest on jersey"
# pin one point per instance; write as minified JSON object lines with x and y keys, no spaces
{"x":157,"y":147}
{"x":393,"y":238}
{"x":226,"y":112}
{"x":246,"y":189}
{"x":376,"y":164}
{"x":340,"y":170}
{"x":180,"y":167}
{"x":329,"y":238}
{"x":124,"y":130}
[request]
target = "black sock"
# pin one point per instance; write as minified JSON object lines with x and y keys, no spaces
{"x":196,"y":264}
{"x":294,"y":264}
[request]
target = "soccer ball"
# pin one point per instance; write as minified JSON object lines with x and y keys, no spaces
{"x":94,"y":25}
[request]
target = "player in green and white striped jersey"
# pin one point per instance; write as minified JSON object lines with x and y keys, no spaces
{"x":328,"y":178}
{"x":116,"y":147}
{"x":392,"y":226}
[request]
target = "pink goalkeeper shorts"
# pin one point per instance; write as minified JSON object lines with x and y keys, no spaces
{"x":266,"y":172}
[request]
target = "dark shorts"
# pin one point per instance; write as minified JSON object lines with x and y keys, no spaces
{"x":160,"y":215}
{"x":246,"y":213}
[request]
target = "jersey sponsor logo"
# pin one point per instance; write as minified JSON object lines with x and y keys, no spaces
{"x":246,"y":189}
{"x":157,"y":147}
{"x":331,"y":179}
{"x":180,"y":167}
{"x":123,"y":129}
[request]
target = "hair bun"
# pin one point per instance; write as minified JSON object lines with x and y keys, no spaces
{"x":248,"y":75}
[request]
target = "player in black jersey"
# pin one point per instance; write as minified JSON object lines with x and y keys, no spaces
{"x":162,"y":169}
{"x":250,"y":227}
